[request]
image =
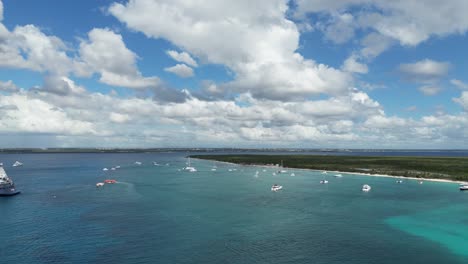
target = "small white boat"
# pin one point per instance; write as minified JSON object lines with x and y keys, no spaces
{"x":105,"y":169}
{"x":399,"y":181}
{"x":112,"y":168}
{"x":464,"y":187}
{"x":276,"y":187}
{"x":138,"y":163}
{"x":189,"y":168}
{"x":421,"y":182}
{"x":264,"y":170}
{"x":213,"y":169}
{"x":117,"y":167}
{"x":155,"y":163}
{"x":324,"y":172}
{"x":99,"y":184}
{"x":17,"y":164}
{"x":339,"y":175}
{"x":274,"y":174}
{"x":292,"y":174}
{"x":323,"y":181}
{"x":366,"y":188}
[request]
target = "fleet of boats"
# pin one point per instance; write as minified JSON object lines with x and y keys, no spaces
{"x":7,"y":187}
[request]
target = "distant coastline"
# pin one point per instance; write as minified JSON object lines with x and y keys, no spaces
{"x":446,"y":169}
{"x":324,"y":151}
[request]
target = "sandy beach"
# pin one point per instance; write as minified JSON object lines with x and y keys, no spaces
{"x":336,"y":172}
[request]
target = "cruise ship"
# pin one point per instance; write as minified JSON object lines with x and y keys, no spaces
{"x":7,"y":187}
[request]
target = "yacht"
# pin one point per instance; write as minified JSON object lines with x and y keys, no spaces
{"x":366,"y":188}
{"x":464,"y":187}
{"x":17,"y":164}
{"x":276,"y":187}
{"x":7,"y":187}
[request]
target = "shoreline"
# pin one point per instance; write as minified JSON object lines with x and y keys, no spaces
{"x":330,"y":171}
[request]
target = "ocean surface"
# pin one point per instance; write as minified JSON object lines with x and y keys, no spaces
{"x":160,"y":214}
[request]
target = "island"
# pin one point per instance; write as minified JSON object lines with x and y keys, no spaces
{"x":447,"y":168}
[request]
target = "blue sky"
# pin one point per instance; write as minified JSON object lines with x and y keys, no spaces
{"x":302,"y":73}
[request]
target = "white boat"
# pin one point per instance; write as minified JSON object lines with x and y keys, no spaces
{"x":99,"y":184}
{"x":292,"y":174}
{"x":117,"y":167}
{"x":323,"y":181}
{"x":324,"y":172}
{"x":190,"y":168}
{"x":112,"y":168}
{"x":155,"y":163}
{"x":339,"y":175}
{"x":138,"y":163}
{"x":276,"y":187}
{"x":399,"y":181}
{"x":281,"y":170}
{"x":17,"y":164}
{"x":464,"y":187}
{"x":366,"y":188}
{"x":421,"y":182}
{"x":105,"y":169}
{"x":213,"y":169}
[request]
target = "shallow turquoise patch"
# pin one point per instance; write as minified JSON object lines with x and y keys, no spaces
{"x":447,"y":226}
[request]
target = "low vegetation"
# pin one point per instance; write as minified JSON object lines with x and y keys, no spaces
{"x":453,"y":168}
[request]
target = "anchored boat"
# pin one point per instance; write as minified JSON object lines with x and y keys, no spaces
{"x":7,"y":187}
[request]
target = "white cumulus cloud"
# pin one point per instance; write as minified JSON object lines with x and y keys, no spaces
{"x":180,"y":70}
{"x":182,"y":57}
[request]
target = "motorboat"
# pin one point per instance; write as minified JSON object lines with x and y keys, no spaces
{"x":324,"y":172}
{"x":155,"y":163}
{"x":399,"y":181}
{"x":276,"y":187}
{"x":105,"y":169}
{"x":117,"y":167}
{"x":110,"y":181}
{"x":366,"y":188}
{"x":113,"y":168}
{"x":339,"y":175}
{"x":99,"y":184}
{"x":17,"y":164}
{"x":323,"y":181}
{"x":292,"y":174}
{"x":138,"y":163}
{"x":464,"y":187}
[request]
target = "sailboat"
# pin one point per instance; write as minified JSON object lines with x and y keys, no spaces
{"x":7,"y":187}
{"x":282,"y":170}
{"x":189,"y":167}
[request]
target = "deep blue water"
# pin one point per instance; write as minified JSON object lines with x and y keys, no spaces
{"x":158,"y":214}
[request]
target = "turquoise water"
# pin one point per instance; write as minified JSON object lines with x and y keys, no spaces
{"x":158,"y":214}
